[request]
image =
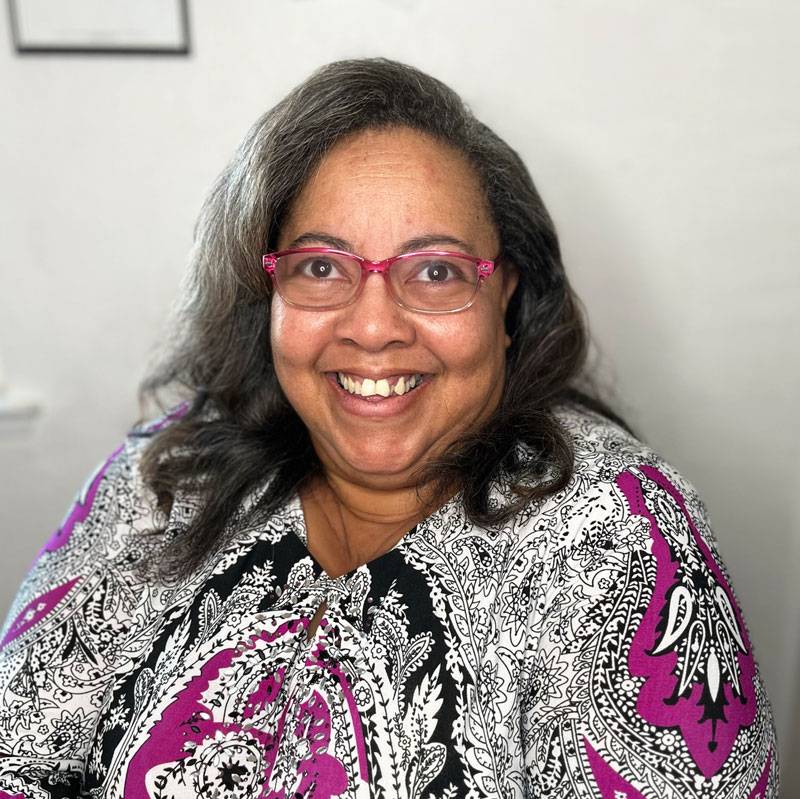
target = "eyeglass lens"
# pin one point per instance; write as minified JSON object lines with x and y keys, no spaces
{"x":424,"y":282}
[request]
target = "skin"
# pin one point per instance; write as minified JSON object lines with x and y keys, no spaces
{"x":376,"y":191}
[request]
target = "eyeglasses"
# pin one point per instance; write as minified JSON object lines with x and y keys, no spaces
{"x":322,"y":279}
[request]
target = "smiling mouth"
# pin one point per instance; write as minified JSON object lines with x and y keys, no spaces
{"x":385,"y":387}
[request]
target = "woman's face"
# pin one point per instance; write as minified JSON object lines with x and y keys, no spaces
{"x":372,"y":195}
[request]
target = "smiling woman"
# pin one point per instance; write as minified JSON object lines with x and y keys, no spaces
{"x":377,"y":193}
{"x":386,"y":547}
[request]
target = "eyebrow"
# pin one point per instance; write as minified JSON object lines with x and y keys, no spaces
{"x":417,"y":243}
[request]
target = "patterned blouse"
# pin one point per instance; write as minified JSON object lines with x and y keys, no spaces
{"x":591,"y":648}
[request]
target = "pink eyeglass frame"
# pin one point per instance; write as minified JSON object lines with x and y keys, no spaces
{"x":483,"y":267}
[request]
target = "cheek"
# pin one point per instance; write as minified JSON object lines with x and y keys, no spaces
{"x":472,"y":345}
{"x":295,"y":339}
{"x":279,"y":337}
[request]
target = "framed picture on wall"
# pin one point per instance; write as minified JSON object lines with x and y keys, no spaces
{"x":100,"y":26}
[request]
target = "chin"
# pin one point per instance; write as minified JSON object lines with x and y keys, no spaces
{"x":378,"y":462}
{"x":379,"y":467}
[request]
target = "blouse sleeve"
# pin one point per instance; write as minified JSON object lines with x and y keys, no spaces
{"x":64,"y":640}
{"x":641,"y":681}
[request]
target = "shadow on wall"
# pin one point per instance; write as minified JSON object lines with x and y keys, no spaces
{"x":790,"y":764}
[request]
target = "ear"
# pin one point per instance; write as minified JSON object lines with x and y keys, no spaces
{"x":510,"y":275}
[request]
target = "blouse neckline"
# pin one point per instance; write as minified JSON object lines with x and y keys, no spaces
{"x":292,"y":513}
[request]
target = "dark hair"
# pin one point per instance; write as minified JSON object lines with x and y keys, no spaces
{"x":218,"y":355}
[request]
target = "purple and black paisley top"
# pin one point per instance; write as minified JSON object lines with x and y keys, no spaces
{"x":592,"y":648}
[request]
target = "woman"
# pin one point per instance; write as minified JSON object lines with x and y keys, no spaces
{"x":386,"y":547}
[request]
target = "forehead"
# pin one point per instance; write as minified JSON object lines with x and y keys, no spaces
{"x":396,"y":149}
{"x":391,"y":181}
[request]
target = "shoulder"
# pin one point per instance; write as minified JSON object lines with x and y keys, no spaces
{"x":623,"y":499}
{"x":626,"y":516}
{"x":602,"y":447}
{"x":102,"y":538}
{"x":609,"y":462}
{"x":118,"y":471}
{"x":118,"y":480}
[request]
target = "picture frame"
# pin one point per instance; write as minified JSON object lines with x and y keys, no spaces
{"x":157,"y":27}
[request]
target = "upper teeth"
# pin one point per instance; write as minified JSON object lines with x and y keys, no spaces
{"x":369,"y":388}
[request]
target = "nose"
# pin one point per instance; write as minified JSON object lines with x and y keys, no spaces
{"x":374,"y":320}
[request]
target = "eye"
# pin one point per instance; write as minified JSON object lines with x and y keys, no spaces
{"x":441,"y":270}
{"x":317,"y":268}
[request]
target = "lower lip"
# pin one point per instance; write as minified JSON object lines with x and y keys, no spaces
{"x":375,"y":407}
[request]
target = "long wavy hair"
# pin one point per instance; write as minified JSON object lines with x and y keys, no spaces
{"x":218,"y":356}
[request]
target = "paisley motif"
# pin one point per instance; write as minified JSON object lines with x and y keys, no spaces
{"x":591,"y":647}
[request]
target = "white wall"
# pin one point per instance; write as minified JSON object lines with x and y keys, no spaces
{"x":664,"y":138}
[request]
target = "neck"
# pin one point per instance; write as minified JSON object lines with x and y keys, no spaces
{"x":349,"y":524}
